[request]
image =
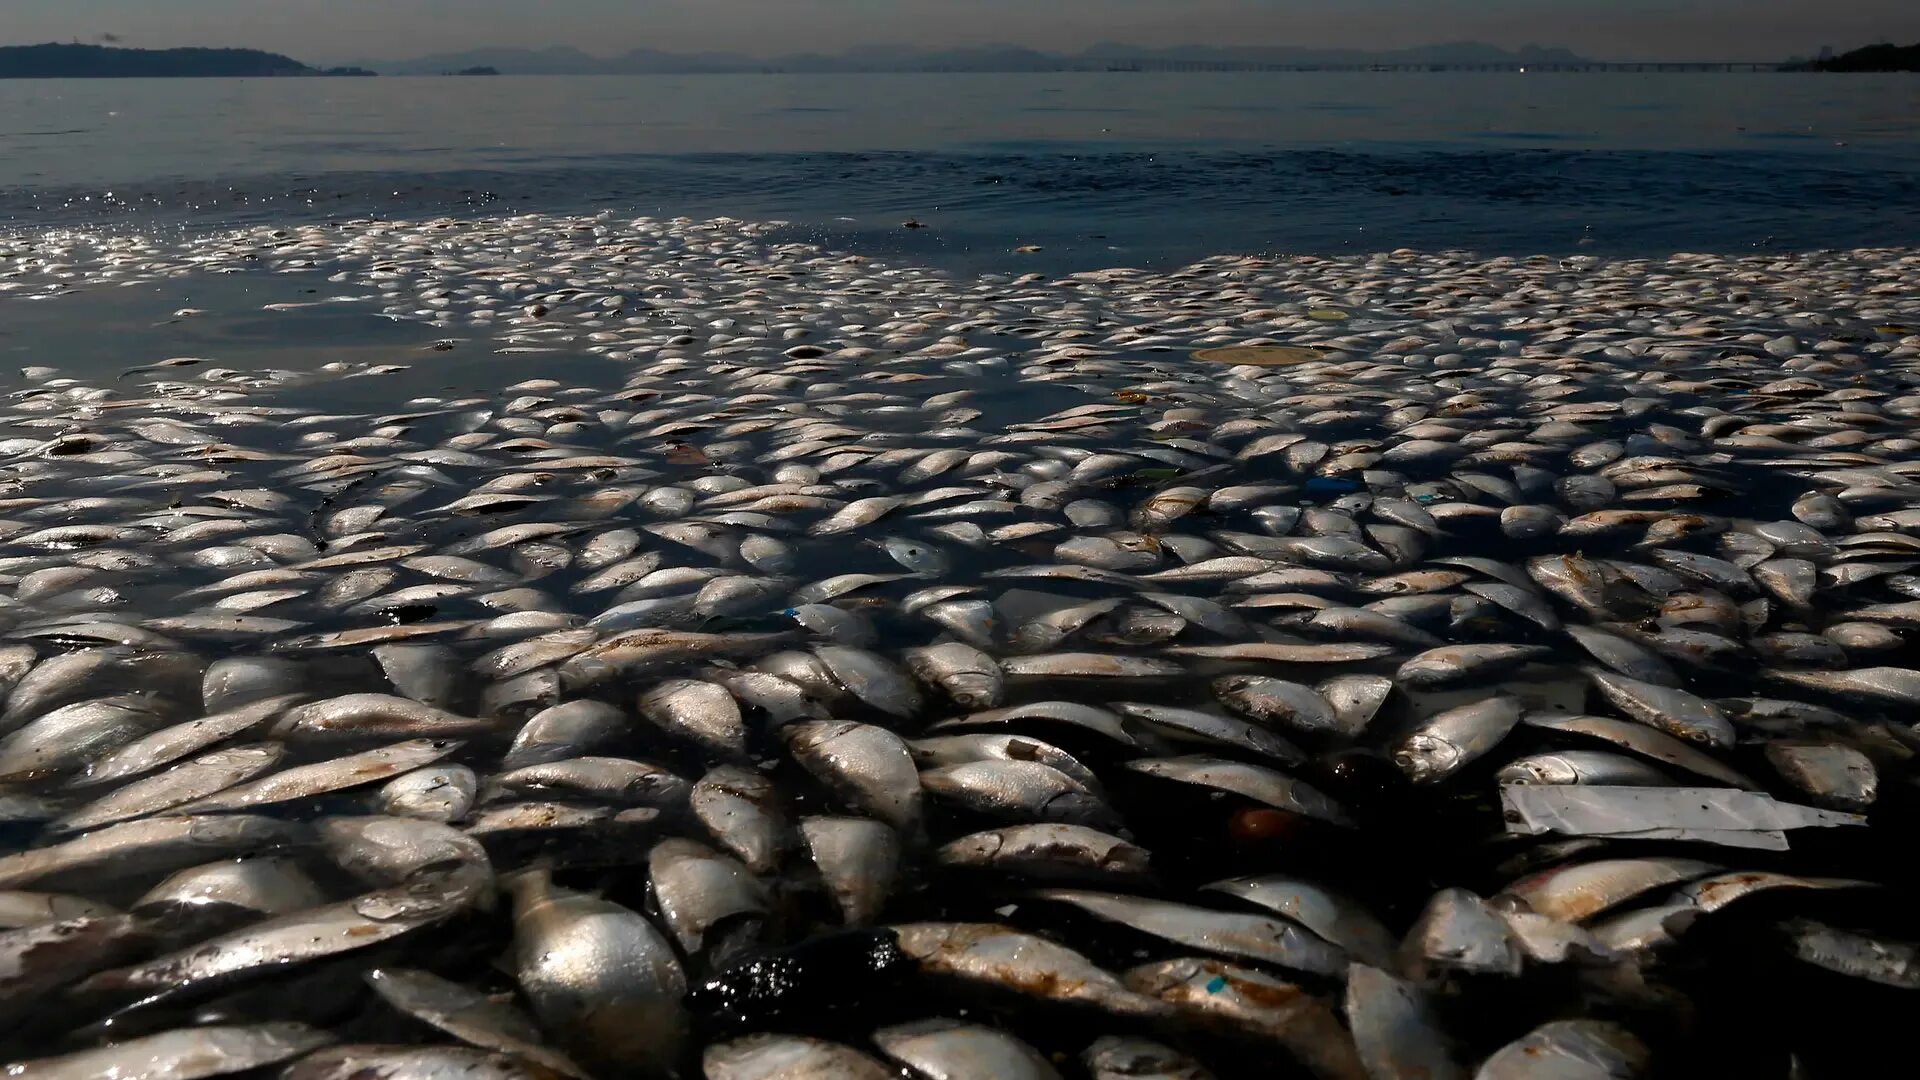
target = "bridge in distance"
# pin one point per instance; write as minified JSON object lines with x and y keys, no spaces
{"x":1704,"y":66}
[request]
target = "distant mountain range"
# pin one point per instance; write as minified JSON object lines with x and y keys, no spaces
{"x":566,"y":60}
{"x":57,"y":61}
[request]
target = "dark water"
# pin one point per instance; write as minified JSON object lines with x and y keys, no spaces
{"x":1096,"y":169}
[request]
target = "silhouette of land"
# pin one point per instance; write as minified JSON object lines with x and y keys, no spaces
{"x":566,"y":60}
{"x":55,"y":61}
{"x":1882,"y":57}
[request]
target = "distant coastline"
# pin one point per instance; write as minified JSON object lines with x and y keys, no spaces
{"x":78,"y":61}
{"x":73,"y":61}
{"x":1884,"y":57}
{"x":995,"y":58}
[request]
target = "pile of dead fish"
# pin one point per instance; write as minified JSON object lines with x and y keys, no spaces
{"x":802,"y":700}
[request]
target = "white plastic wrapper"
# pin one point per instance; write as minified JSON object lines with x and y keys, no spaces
{"x":1724,"y":816}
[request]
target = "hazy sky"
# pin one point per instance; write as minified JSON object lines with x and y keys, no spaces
{"x":332,"y":30}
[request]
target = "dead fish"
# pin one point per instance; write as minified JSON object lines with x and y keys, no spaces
{"x":1457,"y":931}
{"x":1251,"y":1002}
{"x":1118,"y":1057}
{"x":1271,"y":700}
{"x":300,"y":937}
{"x":154,"y":846}
{"x":1859,"y":956}
{"x":305,"y":781}
{"x":170,"y":744}
{"x":1087,"y":665}
{"x":424,"y":673}
{"x":1445,"y":742}
{"x":468,"y":1015}
{"x":1251,"y":937}
{"x":434,"y":793}
{"x":697,"y":889}
{"x":597,"y":975}
{"x":968,"y":677}
{"x":788,"y":1057}
{"x":184,"y":1053}
{"x":265,"y":885}
{"x":869,"y":767}
{"x":950,"y":1049}
{"x":1642,"y":740}
{"x":858,"y":859}
{"x":20,"y":908}
{"x":44,"y":958}
{"x":1832,"y":774}
{"x":1393,"y":1028}
{"x":700,"y":712}
{"x":467,"y":1063}
{"x":872,"y":679}
{"x":372,"y":716}
{"x":600,"y":779}
{"x":1569,"y":1047}
{"x":68,"y":737}
{"x":1195,"y":725}
{"x":563,"y":731}
{"x":1335,"y":917}
{"x":381,"y":850}
{"x":1451,"y":664}
{"x":938,"y":750}
{"x":1048,"y":852}
{"x":182,"y":783}
{"x":1280,"y":653}
{"x":1018,"y":963}
{"x":1262,"y":785}
{"x":1675,"y":712}
{"x":1581,"y":767}
{"x":1580,"y":890}
{"x":1088,"y":717}
{"x":1018,"y":789}
{"x":742,"y":811}
{"x":1873,"y":686}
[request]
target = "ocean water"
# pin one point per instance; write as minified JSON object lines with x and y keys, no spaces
{"x":1096,"y":169}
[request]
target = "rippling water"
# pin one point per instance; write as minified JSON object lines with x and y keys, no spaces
{"x":1097,"y":169}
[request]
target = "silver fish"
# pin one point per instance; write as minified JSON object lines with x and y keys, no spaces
{"x":597,"y":975}
{"x":184,"y":1053}
{"x":300,"y":937}
{"x":858,"y":859}
{"x":950,"y":1049}
{"x":788,"y":1057}
{"x":1445,"y":742}
{"x":869,"y":767}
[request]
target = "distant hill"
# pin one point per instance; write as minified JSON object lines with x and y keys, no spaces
{"x":1871,"y":58}
{"x":566,"y":60}
{"x":54,"y":61}
{"x":1458,"y":52}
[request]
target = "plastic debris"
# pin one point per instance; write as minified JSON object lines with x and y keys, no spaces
{"x":1724,"y":816}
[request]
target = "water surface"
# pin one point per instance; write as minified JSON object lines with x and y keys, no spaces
{"x":1097,"y":169}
